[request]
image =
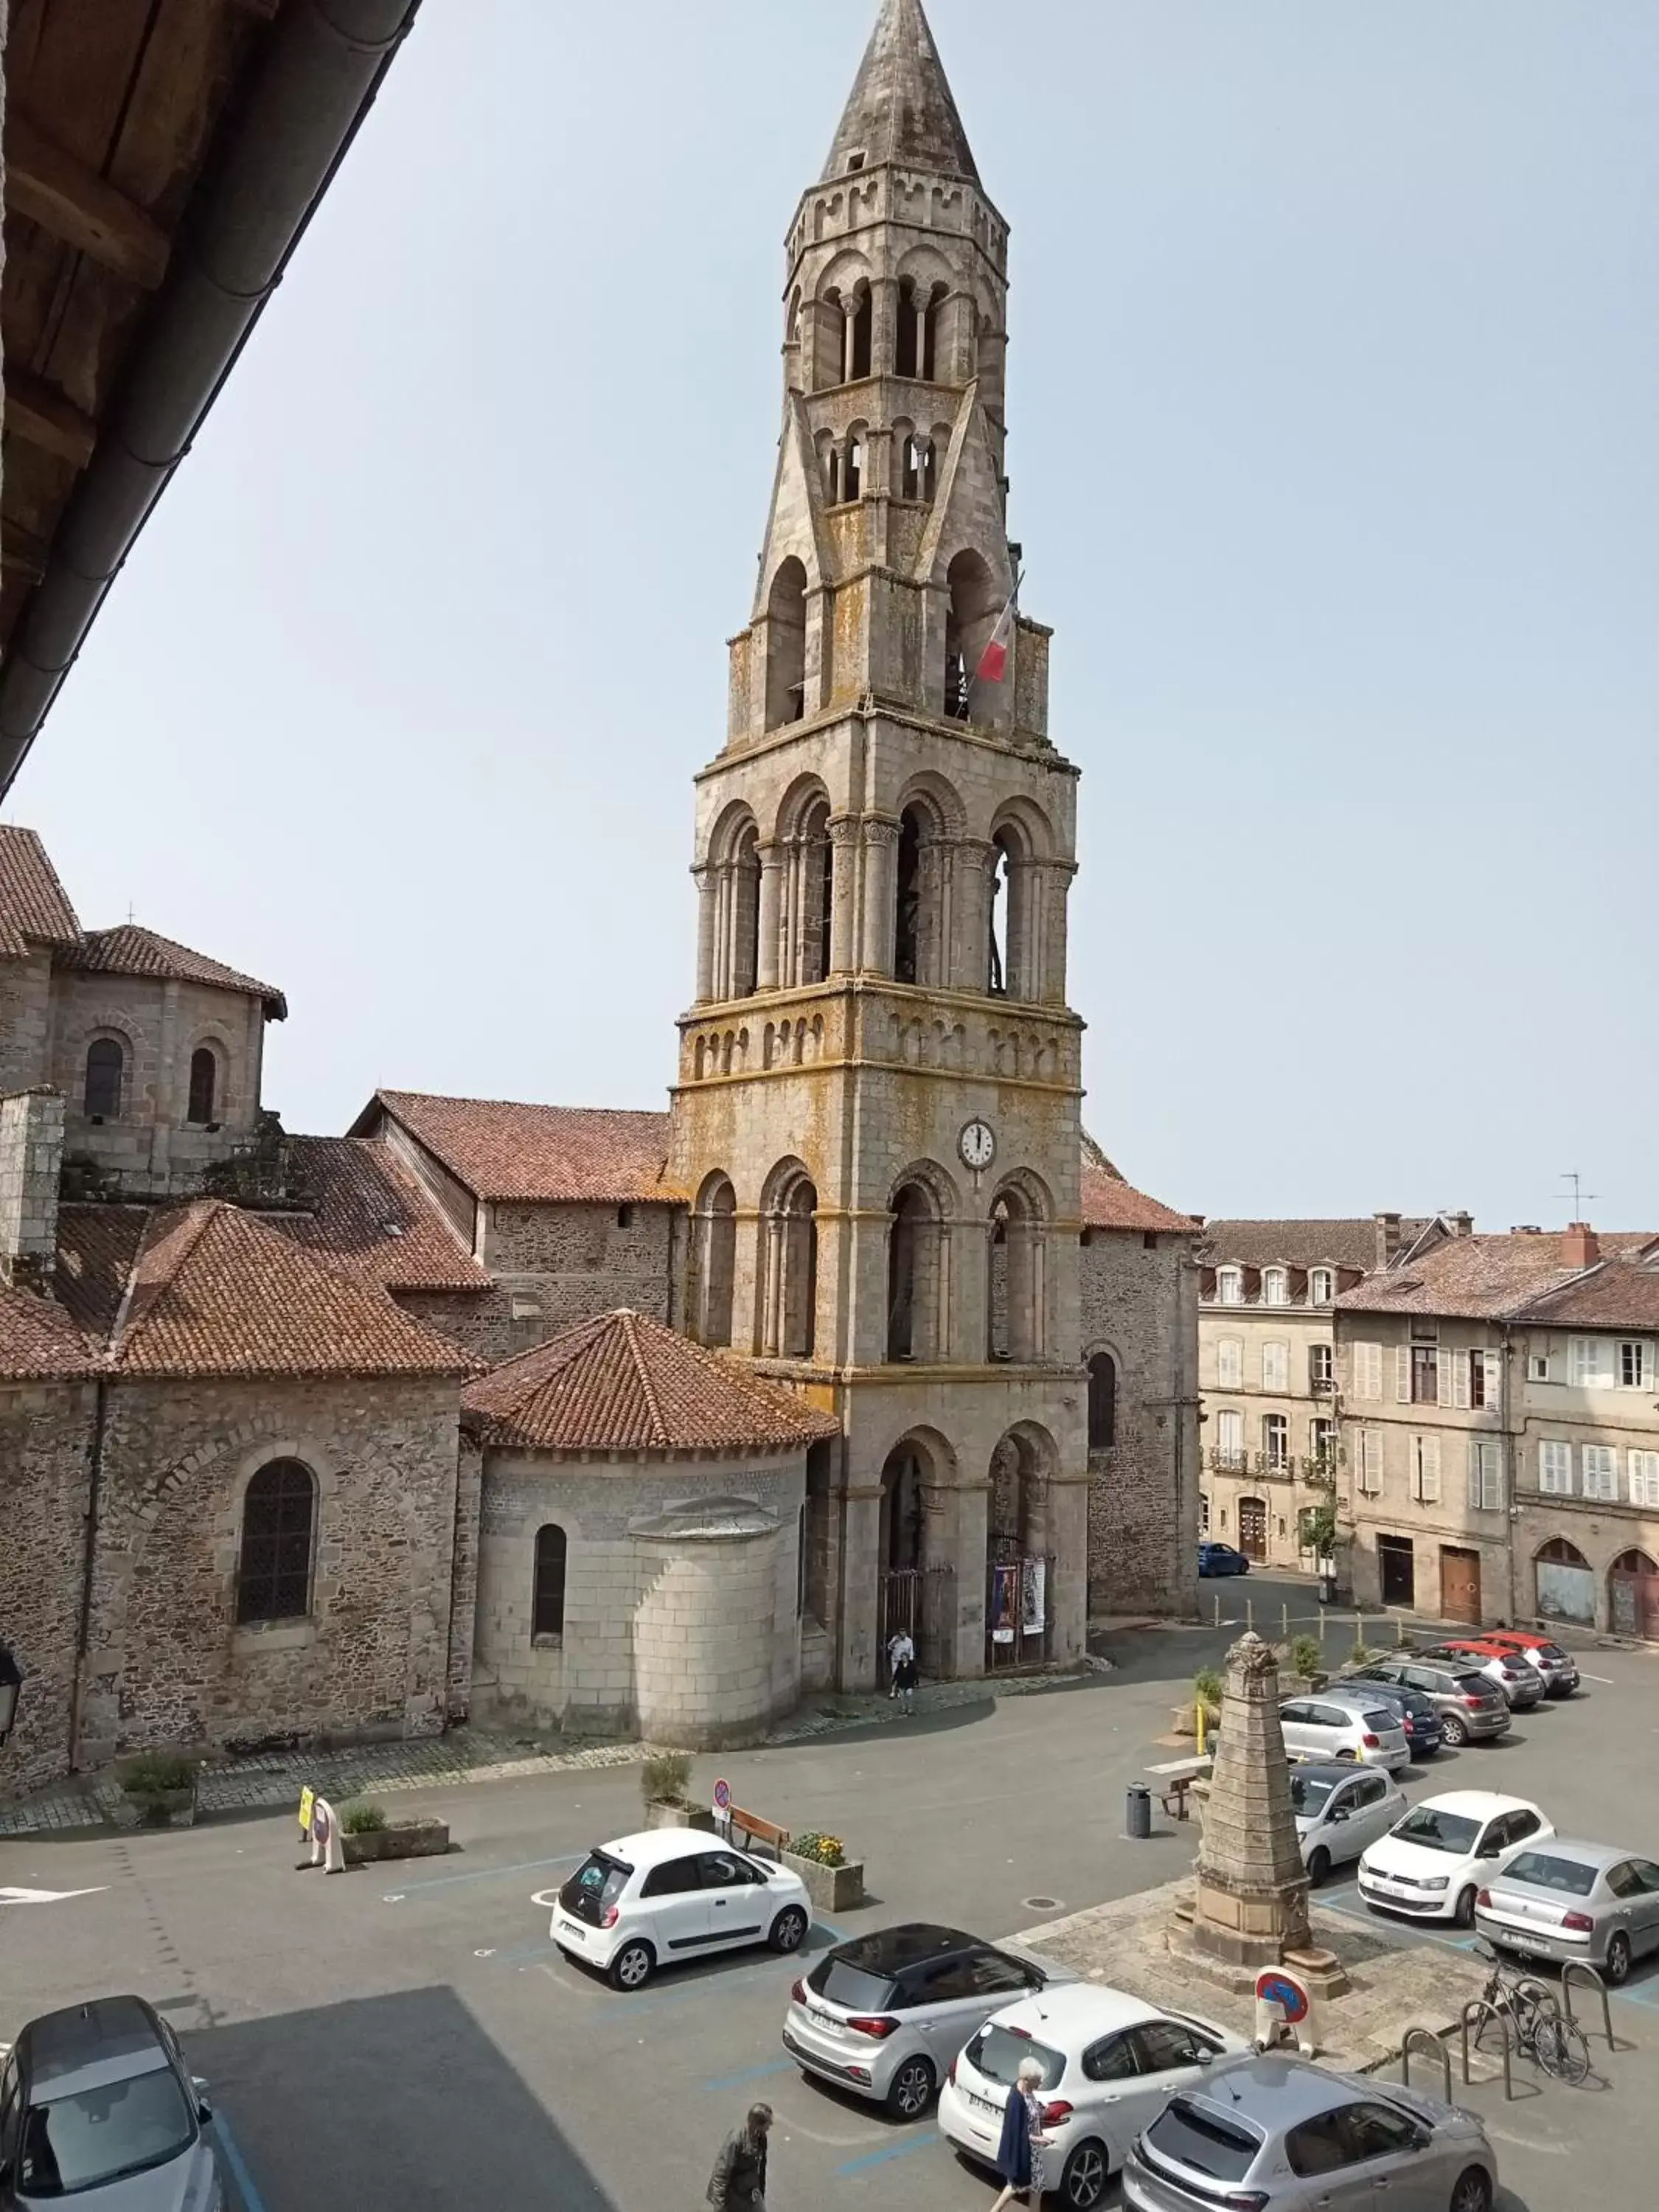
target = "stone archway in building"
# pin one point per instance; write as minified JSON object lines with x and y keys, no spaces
{"x":915,"y":1575}
{"x":1633,"y":1596}
{"x":1019,"y":1550}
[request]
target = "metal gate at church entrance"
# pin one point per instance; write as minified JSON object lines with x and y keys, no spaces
{"x":921,"y":1603}
{"x":1019,"y":1606}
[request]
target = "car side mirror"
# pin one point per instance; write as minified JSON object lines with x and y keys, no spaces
{"x":203,"y":2110}
{"x":1339,"y":1813}
{"x":1204,"y":2057}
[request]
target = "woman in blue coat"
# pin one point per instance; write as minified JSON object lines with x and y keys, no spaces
{"x":1019,"y":2153}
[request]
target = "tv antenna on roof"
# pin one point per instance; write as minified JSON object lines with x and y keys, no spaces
{"x":1580,"y":1196}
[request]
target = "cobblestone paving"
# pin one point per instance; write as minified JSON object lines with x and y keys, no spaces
{"x":467,"y":1754}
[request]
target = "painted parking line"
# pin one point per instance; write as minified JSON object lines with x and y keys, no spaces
{"x":888,"y":2152}
{"x":251,"y":2200}
{"x":481,"y":1874}
{"x":750,"y":2074}
{"x":1606,"y":1680}
{"x":1355,"y":1911}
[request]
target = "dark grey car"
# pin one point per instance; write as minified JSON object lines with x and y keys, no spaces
{"x":96,"y":2103}
{"x":1470,"y":1707}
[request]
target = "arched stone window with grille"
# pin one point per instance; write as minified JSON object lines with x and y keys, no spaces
{"x":279,"y":1528}
{"x":1102,"y":1402}
{"x":204,"y":1087}
{"x":547,"y":1596}
{"x":107,"y":1062}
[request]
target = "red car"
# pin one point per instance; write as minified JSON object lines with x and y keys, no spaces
{"x":1522,"y":1683}
{"x":1558,"y":1667}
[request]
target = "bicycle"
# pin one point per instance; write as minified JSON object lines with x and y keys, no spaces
{"x":1537,"y":2025}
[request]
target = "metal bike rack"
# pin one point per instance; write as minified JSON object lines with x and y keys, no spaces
{"x":1424,"y":2038}
{"x":1587,"y":1974}
{"x":1473,"y":2014}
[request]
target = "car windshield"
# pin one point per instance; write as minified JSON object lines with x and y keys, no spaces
{"x":84,"y":2141}
{"x":1309,"y":1793}
{"x":999,"y":2053}
{"x":1544,"y":1871}
{"x":844,"y":1984}
{"x":1440,"y":1831}
{"x":1226,"y":2150}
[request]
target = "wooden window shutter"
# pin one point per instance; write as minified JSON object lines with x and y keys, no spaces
{"x":1402,"y":1373}
{"x":1428,"y":1461}
{"x":1475,"y":1474}
{"x":1494,"y":1364}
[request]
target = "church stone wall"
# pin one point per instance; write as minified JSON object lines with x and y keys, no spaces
{"x":166,"y":1661}
{"x":1140,"y":1305}
{"x":25,"y":1021}
{"x":45,"y":1443}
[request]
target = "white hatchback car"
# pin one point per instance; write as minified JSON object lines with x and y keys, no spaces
{"x":647,"y":1901}
{"x":1338,"y":1813}
{"x":1434,"y":1862}
{"x":1109,"y":2063}
{"x":1343,"y":1722}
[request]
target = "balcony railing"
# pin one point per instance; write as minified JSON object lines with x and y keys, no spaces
{"x":1322,"y":1386}
{"x":1318,"y":1469}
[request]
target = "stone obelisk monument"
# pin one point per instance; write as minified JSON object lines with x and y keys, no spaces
{"x":1250,"y":1902}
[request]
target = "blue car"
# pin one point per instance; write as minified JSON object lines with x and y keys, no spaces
{"x":1221,"y":1559}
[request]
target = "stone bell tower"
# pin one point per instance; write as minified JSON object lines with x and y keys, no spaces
{"x":877,"y":1111}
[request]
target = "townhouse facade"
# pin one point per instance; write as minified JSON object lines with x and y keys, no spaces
{"x":1267,"y":1372}
{"x":1499,"y":1402}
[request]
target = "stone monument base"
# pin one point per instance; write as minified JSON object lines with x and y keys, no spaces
{"x":1233,"y":1957}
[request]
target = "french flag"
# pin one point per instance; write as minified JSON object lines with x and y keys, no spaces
{"x":993,"y":661}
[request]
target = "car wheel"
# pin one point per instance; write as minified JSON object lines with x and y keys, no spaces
{"x":1083,"y":2183}
{"x":1348,"y":1757}
{"x":1618,"y":1960}
{"x":910,"y":2092}
{"x":1472,"y":2192}
{"x":631,"y":1967}
{"x":1454,"y":1732}
{"x":1463,"y":1910}
{"x":1319,"y":1867}
{"x":788,"y":1930}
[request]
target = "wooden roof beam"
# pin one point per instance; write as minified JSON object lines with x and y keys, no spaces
{"x":76,"y":205}
{"x":44,"y":418}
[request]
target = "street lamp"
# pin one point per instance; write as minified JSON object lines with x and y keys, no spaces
{"x":11,"y":1681}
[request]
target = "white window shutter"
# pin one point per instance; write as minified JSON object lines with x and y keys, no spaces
{"x":1402,"y":1373}
{"x":1460,"y":1378}
{"x":1444,"y":1364}
{"x":1429,"y":1462}
{"x":1494,"y":1361}
{"x":1475,"y":1474}
{"x":1578,"y":1350}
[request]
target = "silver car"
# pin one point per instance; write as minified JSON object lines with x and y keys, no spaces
{"x":884,"y":2014}
{"x":96,"y":2103}
{"x":1345,"y":1723}
{"x":1571,"y":1900}
{"x":1338,"y":1813}
{"x":1278,"y":2134}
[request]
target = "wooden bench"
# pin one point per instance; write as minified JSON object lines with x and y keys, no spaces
{"x":1174,"y":1790}
{"x":756,"y":1829}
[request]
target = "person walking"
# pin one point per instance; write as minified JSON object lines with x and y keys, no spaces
{"x":904,"y":1674}
{"x":1019,"y":2153}
{"x":739,"y":2181}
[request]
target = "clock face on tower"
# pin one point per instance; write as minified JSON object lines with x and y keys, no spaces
{"x":978,"y":1145}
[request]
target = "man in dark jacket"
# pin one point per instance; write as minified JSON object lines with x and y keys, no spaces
{"x":739,"y":2181}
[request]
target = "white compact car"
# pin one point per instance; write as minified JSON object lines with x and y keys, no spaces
{"x":1434,"y":1862}
{"x":647,"y":1901}
{"x":1338,"y":1813}
{"x":1110,"y":2062}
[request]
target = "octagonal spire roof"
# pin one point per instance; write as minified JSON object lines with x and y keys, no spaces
{"x":901,"y":108}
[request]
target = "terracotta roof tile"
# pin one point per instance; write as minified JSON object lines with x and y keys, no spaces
{"x":596,"y":1155}
{"x":1109,"y":1202}
{"x":32,"y":903}
{"x":371,"y":1217}
{"x":96,"y":1248}
{"x":1480,"y":1278}
{"x":1618,"y":1293}
{"x":1321,"y":1243}
{"x":623,"y":1383}
{"x":39,"y":1342}
{"x":131,"y":951}
{"x":214,"y":1290}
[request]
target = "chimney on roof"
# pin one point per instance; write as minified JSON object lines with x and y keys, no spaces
{"x":31,"y":1160}
{"x":1463,"y":1224}
{"x":1579,"y":1247}
{"x":1387,"y":1238}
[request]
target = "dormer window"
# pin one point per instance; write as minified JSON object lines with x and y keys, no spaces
{"x":854,"y":162}
{"x":1230,"y":1286}
{"x":1275,"y":1287}
{"x":1321,"y":1287}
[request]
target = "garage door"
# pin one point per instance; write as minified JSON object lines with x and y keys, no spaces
{"x":1396,"y":1570}
{"x":1633,"y":1596}
{"x":1460,"y":1586}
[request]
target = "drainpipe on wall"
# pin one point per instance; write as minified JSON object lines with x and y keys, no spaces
{"x":89,"y":1557}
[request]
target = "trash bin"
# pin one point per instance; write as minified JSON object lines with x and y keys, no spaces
{"x":1138,"y":1811}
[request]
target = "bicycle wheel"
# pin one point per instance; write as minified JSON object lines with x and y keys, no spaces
{"x":1561,"y":2049}
{"x":1529,"y":1990}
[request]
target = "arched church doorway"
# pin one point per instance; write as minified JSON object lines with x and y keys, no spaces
{"x":1019,"y":1561}
{"x":916,"y":1585}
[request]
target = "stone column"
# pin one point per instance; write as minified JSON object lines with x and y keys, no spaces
{"x":849,"y":312}
{"x":843,"y":893}
{"x":973,"y":857}
{"x":881,"y":835}
{"x":884,"y":322}
{"x":1059,"y":874}
{"x":972,"y":1527}
{"x":772,"y":856}
{"x":855,"y":1655}
{"x":707,"y":895}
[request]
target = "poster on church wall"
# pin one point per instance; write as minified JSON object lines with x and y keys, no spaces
{"x":1005,"y":1603}
{"x":1034,"y":1594}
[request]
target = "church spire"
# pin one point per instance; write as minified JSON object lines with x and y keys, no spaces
{"x":901,"y":108}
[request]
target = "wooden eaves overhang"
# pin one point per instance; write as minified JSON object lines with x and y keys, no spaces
{"x":162,"y":159}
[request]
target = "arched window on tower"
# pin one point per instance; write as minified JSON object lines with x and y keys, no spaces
{"x":1015,"y":1276}
{"x":815,"y":892}
{"x":105,"y":1064}
{"x":786,"y":645}
{"x":715,"y":1255}
{"x":1102,"y":1402}
{"x":1015,"y":913}
{"x":789,"y":1259}
{"x":969,"y":622}
{"x":905,"y":335}
{"x":916,"y":1306}
{"x":996,"y":980}
{"x":203,"y":1083}
{"x":851,"y":477}
{"x":932,"y":333}
{"x":863,"y":327}
{"x":907,"y":934}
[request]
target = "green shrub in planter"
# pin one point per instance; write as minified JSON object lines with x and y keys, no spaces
{"x":825,"y":1850}
{"x":665,"y":1777}
{"x":157,"y":1773}
{"x":1360,"y":1656}
{"x":1306,"y":1656}
{"x":1208,"y":1688}
{"x":362,"y":1817}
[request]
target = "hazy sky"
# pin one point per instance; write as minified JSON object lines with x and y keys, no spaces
{"x":1335,"y":343}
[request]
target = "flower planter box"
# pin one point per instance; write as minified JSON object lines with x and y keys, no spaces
{"x":1183,"y":1724}
{"x":661,"y":1813}
{"x":406,"y":1839}
{"x":157,"y":1809}
{"x":832,"y":1889}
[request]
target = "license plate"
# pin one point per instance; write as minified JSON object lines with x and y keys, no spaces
{"x":1390,"y":1888}
{"x":827,"y":2021}
{"x":984,"y":2105}
{"x":576,"y":1933}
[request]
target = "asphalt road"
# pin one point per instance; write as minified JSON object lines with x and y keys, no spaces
{"x":406,"y":2035}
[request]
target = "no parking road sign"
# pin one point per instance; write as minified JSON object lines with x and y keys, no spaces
{"x":722,"y":1796}
{"x":1284,"y":2005}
